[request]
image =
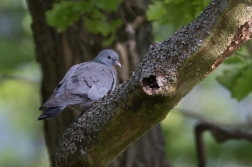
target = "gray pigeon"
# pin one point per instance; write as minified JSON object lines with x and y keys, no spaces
{"x":83,"y":84}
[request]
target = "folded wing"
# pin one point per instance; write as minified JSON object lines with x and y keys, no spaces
{"x":83,"y":84}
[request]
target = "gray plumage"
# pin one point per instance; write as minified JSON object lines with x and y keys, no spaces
{"x":83,"y":84}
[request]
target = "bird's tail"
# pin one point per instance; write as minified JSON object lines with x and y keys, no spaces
{"x":50,"y":112}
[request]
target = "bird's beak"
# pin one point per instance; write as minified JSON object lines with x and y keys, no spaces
{"x":117,"y":63}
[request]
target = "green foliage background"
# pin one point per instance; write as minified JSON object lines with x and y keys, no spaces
{"x":21,"y":135}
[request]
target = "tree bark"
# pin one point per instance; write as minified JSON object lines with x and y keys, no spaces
{"x":169,"y":70}
{"x":57,"y":52}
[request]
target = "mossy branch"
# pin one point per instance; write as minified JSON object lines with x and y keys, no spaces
{"x":169,"y":70}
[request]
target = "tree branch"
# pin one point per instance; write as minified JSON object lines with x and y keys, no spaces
{"x":220,"y":135}
{"x":169,"y":70}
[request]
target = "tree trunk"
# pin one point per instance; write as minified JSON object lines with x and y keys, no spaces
{"x":57,"y":52}
{"x":148,"y":151}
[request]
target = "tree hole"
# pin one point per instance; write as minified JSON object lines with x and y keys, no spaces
{"x":150,"y":84}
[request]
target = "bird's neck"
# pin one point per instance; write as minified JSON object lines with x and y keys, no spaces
{"x":99,"y":61}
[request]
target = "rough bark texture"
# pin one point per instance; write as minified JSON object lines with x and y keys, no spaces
{"x":57,"y":52}
{"x":169,"y":70}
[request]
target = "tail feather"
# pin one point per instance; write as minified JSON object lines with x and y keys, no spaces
{"x":50,"y":112}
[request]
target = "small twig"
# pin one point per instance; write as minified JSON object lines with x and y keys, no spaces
{"x":200,"y":149}
{"x":220,"y":135}
{"x":220,"y":131}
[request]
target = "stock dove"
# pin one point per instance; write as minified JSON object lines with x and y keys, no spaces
{"x":83,"y":84}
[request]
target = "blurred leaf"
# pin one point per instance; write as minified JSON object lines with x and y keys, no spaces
{"x":108,"y":5}
{"x":238,"y":81}
{"x":234,"y":60}
{"x":108,"y":41}
{"x":96,"y":14}
{"x":228,"y":78}
{"x":97,"y":26}
{"x":15,"y":52}
{"x":26,"y":22}
{"x":172,"y":10}
{"x":102,"y":26}
{"x":65,"y":13}
{"x":156,"y":10}
{"x":243,"y":84}
{"x":116,"y":23}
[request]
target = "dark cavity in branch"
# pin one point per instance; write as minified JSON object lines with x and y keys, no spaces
{"x":150,"y":84}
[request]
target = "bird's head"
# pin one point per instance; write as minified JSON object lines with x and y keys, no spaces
{"x":108,"y":57}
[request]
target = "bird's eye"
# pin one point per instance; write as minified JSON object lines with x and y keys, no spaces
{"x":109,"y":57}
